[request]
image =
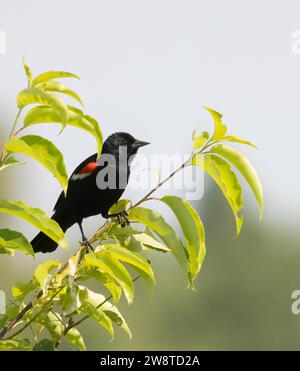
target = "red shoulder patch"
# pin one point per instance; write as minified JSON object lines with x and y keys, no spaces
{"x":89,"y":168}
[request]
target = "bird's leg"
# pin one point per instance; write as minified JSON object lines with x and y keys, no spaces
{"x":122,"y":217}
{"x":85,"y":241}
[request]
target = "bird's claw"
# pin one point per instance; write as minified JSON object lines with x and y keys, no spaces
{"x":87,"y":245}
{"x":123,"y":219}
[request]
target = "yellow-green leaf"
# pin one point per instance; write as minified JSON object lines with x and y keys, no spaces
{"x":226,"y":179}
{"x":220,"y":128}
{"x":200,"y":140}
{"x":21,"y":289}
{"x":36,"y":217}
{"x":233,"y":138}
{"x":120,"y":274}
{"x":76,"y":118}
{"x":127,"y":256}
{"x":49,"y":75}
{"x":75,"y":338}
{"x":38,"y":96}
{"x":104,"y":308}
{"x":156,"y":223}
{"x":58,"y":87}
{"x":10,"y":161}
{"x":97,"y":131}
{"x":44,"y":273}
{"x":240,"y":161}
{"x":15,"y":240}
{"x":149,"y":241}
{"x":193,"y":231}
{"x":27,"y":71}
{"x":43,"y":151}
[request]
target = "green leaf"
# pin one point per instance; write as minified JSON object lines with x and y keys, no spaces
{"x":97,"y":131}
{"x":193,"y":231}
{"x":126,"y":256}
{"x":20,"y":344}
{"x":120,"y":274}
{"x":71,"y":300}
{"x":92,"y":305}
{"x":38,"y":96}
{"x":200,"y":140}
{"x":36,"y":217}
{"x":52,"y":75}
{"x":239,"y":160}
{"x":76,"y":118}
{"x":220,"y":128}
{"x":56,"y":86}
{"x":226,"y":179}
{"x":27,"y":71}
{"x":10,"y":313}
{"x":44,"y":273}
{"x":44,"y":345}
{"x":156,"y":223}
{"x":148,"y":240}
{"x":74,"y":338}
{"x":104,"y":309}
{"x":233,"y":138}
{"x":43,"y":151}
{"x":15,"y":240}
{"x":92,"y":268}
{"x":53,"y":323}
{"x":21,"y":289}
{"x":10,"y":161}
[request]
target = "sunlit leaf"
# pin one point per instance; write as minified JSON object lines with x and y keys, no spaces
{"x":92,"y":305}
{"x":126,"y":256}
{"x":193,"y":231}
{"x":74,"y":338}
{"x":149,"y":241}
{"x":44,"y":273}
{"x":92,"y":268}
{"x":97,"y":131}
{"x":52,"y":321}
{"x":120,"y":206}
{"x":220,"y":128}
{"x":43,"y":151}
{"x":27,"y":71}
{"x":156,"y":223}
{"x":21,"y":289}
{"x":226,"y":179}
{"x":76,"y":118}
{"x":36,"y":217}
{"x":15,"y":344}
{"x":239,"y":160}
{"x":71,"y":300}
{"x":200,"y":140}
{"x":58,"y":87}
{"x":38,"y":96}
{"x":15,"y":240}
{"x":10,"y":161}
{"x":52,"y":75}
{"x":104,"y":309}
{"x":233,"y":138}
{"x":120,"y":274}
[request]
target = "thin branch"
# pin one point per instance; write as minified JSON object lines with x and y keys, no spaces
{"x":104,"y":228}
{"x":45,"y":306}
{"x":74,"y":324}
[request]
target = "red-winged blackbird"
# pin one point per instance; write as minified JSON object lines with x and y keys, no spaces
{"x":94,"y":187}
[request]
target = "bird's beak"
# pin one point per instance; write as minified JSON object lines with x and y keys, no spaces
{"x":139,"y":143}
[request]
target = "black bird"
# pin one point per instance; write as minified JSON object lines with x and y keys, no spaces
{"x":94,"y":187}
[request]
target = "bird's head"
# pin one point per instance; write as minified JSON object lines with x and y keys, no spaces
{"x":118,"y":141}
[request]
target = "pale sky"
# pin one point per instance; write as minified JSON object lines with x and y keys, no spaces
{"x":147,"y":67}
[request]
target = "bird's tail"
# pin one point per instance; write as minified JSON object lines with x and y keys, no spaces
{"x":43,"y":243}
